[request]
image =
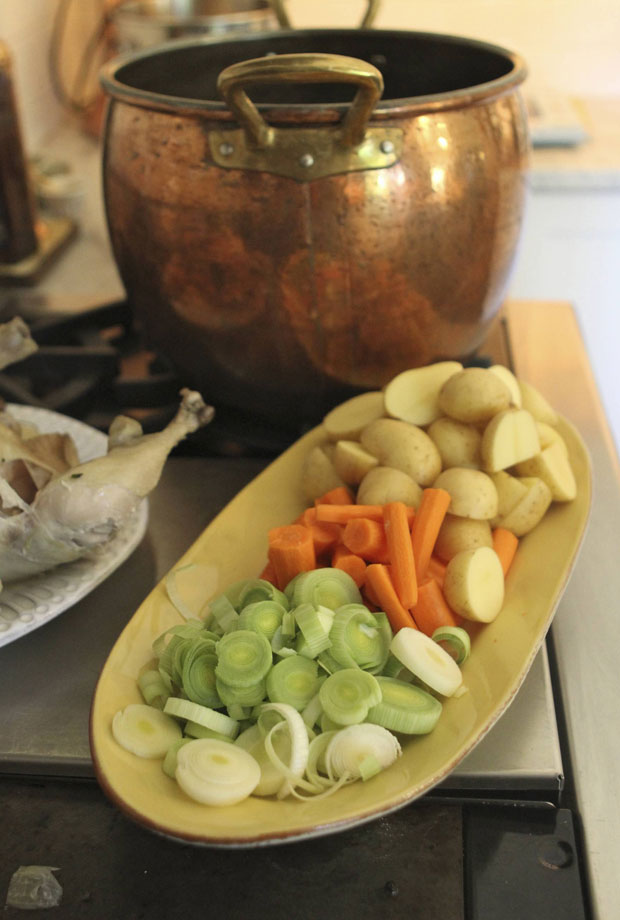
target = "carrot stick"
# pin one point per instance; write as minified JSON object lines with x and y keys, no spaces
{"x":432,"y":611}
{"x":400,"y":551}
{"x":367,"y":539}
{"x":325,"y":537}
{"x":269,"y":574}
{"x":426,"y":524}
{"x":355,"y":566}
{"x":338,"y":496}
{"x":290,"y":551}
{"x":505,"y":545}
{"x":340,"y":514}
{"x":379,"y":582}
{"x":436,"y":569}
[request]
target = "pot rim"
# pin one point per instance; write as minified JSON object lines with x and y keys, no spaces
{"x":313,"y":112}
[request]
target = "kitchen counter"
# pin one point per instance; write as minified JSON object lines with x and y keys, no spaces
{"x":109,"y":867}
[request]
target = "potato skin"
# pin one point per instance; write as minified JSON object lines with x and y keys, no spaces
{"x":473,"y":395}
{"x":404,"y":447}
{"x":458,"y":534}
{"x":473,"y":493}
{"x":384,"y":484}
{"x":529,"y":510}
{"x":457,"y":442}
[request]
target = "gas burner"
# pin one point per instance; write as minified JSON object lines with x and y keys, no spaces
{"x":93,"y":366}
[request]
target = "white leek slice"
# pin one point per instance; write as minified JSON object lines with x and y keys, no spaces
{"x":427,"y":660}
{"x":300,"y":744}
{"x":145,"y":731}
{"x":215,"y":772}
{"x":351,"y":749}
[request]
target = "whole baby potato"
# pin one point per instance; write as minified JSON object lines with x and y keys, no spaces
{"x":383,"y":484}
{"x":457,"y":443}
{"x":474,"y":395}
{"x":458,"y":534}
{"x":404,"y":447}
{"x":472,"y":493}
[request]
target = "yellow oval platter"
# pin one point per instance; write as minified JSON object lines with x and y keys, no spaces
{"x":234,"y":546}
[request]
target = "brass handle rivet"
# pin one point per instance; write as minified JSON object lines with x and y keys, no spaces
{"x":226,"y":149}
{"x":387,"y":147}
{"x":306,"y":160}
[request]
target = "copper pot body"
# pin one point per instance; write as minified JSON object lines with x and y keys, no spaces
{"x":283,"y":295}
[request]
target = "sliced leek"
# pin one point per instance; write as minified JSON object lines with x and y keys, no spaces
{"x":145,"y":731}
{"x":325,"y":588}
{"x":455,"y":640}
{"x":314,"y":624}
{"x":263,"y":616}
{"x":351,"y":751}
{"x":244,"y":657}
{"x":198,"y":673}
{"x":357,"y":639}
{"x":427,"y":660}
{"x":203,"y":715}
{"x":216,"y":773}
{"x":293,"y":680}
{"x":347,"y":695}
{"x":405,"y":708}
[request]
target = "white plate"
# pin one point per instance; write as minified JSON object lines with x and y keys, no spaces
{"x":31,"y":602}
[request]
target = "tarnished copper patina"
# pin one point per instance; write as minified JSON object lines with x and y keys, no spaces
{"x":286,"y":246}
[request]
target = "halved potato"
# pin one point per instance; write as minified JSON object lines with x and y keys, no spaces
{"x":473,"y":395}
{"x":529,"y":510}
{"x":347,"y":420}
{"x":352,"y":462}
{"x":552,"y":465}
{"x":458,"y":444}
{"x":404,"y":447}
{"x":548,"y":435}
{"x":384,"y":484}
{"x":318,"y":474}
{"x":536,"y":404}
{"x":510,"y":491}
{"x":510,"y":436}
{"x":511,"y":382}
{"x":474,"y":584}
{"x":472,"y":493}
{"x":458,"y":534}
{"x":412,"y":396}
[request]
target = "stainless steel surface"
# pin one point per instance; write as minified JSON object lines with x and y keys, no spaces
{"x":47,"y":678}
{"x":585,"y":629}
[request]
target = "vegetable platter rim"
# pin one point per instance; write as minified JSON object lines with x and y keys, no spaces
{"x":32,"y":602}
{"x":234,"y":546}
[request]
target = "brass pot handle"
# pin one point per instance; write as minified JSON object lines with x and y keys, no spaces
{"x":301,"y":68}
{"x":285,"y":23}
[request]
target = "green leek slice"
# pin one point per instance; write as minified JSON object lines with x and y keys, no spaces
{"x":314,"y":625}
{"x":195,"y":730}
{"x":455,"y":641}
{"x":263,"y":616}
{"x":223,"y":612}
{"x":244,"y":658}
{"x":210,"y":718}
{"x":153,"y":688}
{"x":404,"y":708}
{"x":169,"y":764}
{"x":347,"y":695}
{"x":259,"y":589}
{"x":241,"y":696}
{"x":198,"y":674}
{"x":300,"y":745}
{"x":357,"y":640}
{"x":293,"y":680}
{"x":325,"y":587}
{"x":144,"y":730}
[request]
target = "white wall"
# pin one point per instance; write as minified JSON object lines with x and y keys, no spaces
{"x":571,"y":45}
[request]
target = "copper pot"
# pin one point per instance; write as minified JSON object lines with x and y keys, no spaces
{"x":300,"y":216}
